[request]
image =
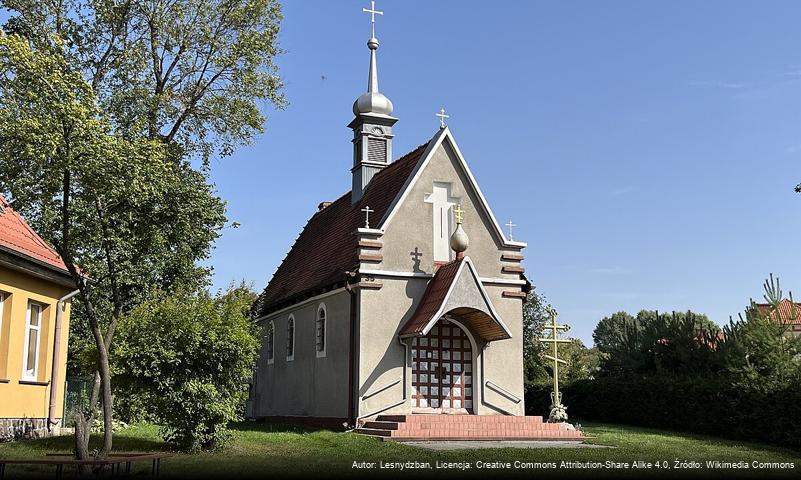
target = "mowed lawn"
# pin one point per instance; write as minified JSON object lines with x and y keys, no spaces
{"x":266,"y":450}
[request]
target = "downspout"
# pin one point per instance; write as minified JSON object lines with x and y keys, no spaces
{"x":352,"y":351}
{"x":51,"y":411}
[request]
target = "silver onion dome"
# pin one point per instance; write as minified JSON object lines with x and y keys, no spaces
{"x":372,"y":101}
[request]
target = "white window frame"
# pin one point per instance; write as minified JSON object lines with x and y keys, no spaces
{"x":271,"y":343}
{"x":321,"y":353}
{"x":291,"y":320}
{"x":28,"y":327}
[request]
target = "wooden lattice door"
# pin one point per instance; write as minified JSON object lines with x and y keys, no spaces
{"x":442,"y":371}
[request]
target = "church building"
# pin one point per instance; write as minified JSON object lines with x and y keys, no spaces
{"x":401,"y":297}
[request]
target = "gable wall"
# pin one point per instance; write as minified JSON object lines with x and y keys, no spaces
{"x":383,"y":312}
{"x":411,"y":226}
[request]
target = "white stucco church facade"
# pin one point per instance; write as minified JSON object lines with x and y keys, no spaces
{"x":379,"y":308}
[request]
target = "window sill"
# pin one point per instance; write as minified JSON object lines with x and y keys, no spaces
{"x":33,"y":382}
{"x":321,"y":354}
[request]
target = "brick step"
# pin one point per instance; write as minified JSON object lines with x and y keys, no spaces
{"x":464,"y":427}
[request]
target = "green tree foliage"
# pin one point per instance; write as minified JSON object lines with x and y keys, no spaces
{"x":535,"y":315}
{"x":188,"y":359}
{"x":191,"y":73}
{"x":656,"y":342}
{"x":582,"y":362}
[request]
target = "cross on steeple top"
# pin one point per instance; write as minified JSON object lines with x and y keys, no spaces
{"x":373,"y":12}
{"x":442,"y":117}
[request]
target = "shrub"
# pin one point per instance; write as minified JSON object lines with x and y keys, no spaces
{"x":187,"y":359}
{"x":710,"y":405}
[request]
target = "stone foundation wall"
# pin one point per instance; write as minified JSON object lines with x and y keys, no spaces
{"x":18,"y":428}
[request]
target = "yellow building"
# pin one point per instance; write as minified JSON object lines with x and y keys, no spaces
{"x":35,"y":293}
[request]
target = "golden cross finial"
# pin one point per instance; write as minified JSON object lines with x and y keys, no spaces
{"x":459,"y":214}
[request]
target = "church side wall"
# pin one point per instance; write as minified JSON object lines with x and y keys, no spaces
{"x":308,"y":385}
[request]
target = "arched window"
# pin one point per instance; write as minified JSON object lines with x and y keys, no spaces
{"x":269,"y":343}
{"x":322,"y":316}
{"x":290,"y":339}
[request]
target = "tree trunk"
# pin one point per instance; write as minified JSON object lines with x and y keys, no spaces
{"x":82,"y":429}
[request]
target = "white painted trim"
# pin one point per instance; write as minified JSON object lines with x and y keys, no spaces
{"x":28,"y":328}
{"x":299,"y":304}
{"x":433,"y":144}
{"x":389,"y":273}
{"x":321,"y":353}
{"x":291,"y":319}
{"x":484,"y":294}
{"x":370,"y":231}
{"x":271,"y":348}
{"x":502,"y":281}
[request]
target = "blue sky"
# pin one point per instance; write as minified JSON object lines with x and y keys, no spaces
{"x":647,"y":150}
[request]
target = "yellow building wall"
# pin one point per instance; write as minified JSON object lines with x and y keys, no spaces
{"x":17,"y":398}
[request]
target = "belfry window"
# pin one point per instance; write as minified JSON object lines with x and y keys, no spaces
{"x":290,"y":339}
{"x":320,"y":329}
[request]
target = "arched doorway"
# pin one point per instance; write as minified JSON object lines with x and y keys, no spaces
{"x":442,"y":370}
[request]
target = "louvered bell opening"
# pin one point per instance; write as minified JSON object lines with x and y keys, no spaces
{"x":377,"y":150}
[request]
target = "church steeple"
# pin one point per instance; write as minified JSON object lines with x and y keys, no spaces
{"x":372,"y":127}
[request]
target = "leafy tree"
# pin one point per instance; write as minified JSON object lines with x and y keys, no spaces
{"x":191,"y":73}
{"x":102,"y":199}
{"x":188,"y":358}
{"x":610,"y":330}
{"x":535,"y":316}
{"x":656,"y":342}
{"x":124,"y":78}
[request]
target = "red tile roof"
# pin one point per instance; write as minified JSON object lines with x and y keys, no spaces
{"x":433,"y":298}
{"x":16,"y":235}
{"x":788,"y":313}
{"x":326,"y":247}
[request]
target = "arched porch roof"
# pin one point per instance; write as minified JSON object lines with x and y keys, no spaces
{"x":456,"y":291}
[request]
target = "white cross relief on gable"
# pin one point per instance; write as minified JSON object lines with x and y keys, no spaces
{"x":442,"y":203}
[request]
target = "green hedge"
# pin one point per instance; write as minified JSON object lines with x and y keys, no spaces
{"x":698,"y":405}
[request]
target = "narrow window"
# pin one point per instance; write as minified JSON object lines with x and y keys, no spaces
{"x":33,"y":327}
{"x":290,"y":338}
{"x":269,"y":340}
{"x":320,"y":330}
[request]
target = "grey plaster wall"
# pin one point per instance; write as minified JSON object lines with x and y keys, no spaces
{"x":385,"y":311}
{"x":411,"y":227}
{"x":307,"y":385}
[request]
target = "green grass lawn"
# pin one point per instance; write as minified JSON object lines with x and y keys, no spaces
{"x":266,"y":450}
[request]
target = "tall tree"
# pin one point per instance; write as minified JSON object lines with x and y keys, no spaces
{"x":189,"y":75}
